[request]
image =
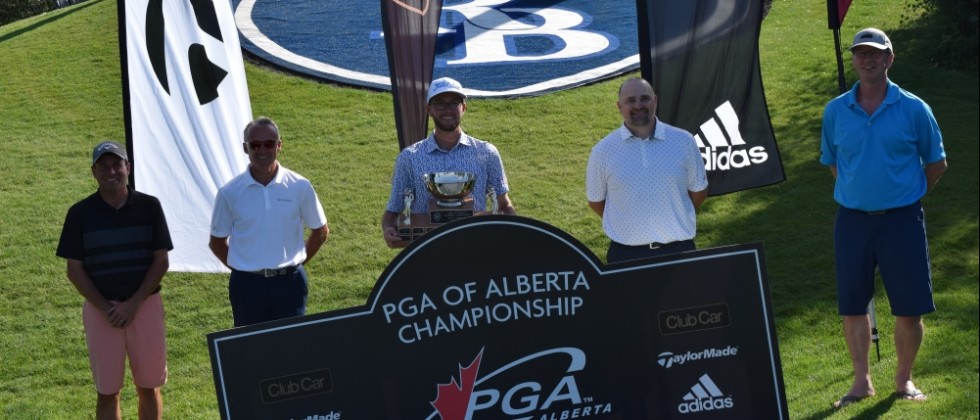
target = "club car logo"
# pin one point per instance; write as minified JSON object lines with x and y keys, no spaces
{"x":725,"y":149}
{"x":668,"y":359}
{"x":495,"y":48}
{"x":296,"y":386}
{"x":705,"y":397}
{"x":694,"y":319}
{"x":496,"y":395}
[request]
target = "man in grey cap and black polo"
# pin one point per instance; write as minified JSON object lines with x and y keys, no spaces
{"x":116,"y":242}
{"x":885,"y":151}
{"x":448,"y":148}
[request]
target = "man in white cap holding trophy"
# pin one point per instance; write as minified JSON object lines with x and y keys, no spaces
{"x":448,"y":148}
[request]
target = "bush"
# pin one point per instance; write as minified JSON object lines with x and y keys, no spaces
{"x":951,"y":31}
{"x":11,"y":10}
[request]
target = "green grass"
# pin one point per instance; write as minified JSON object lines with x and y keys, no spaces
{"x":60,"y":94}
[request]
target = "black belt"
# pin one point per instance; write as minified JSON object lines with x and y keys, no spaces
{"x":651,"y":245}
{"x":880,"y":212}
{"x":272,"y":272}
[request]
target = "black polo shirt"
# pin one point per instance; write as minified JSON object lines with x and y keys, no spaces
{"x":116,"y":246}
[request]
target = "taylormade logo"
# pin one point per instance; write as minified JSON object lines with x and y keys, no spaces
{"x":725,"y":153}
{"x":668,"y":359}
{"x":704,"y":396}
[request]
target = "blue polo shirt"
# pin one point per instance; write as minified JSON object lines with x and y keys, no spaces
{"x":880,"y":157}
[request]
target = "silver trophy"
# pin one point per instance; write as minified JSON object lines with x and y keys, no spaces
{"x":450,"y":202}
{"x":449,"y":187}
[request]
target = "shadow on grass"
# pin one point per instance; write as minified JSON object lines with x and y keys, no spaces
{"x":52,"y":17}
{"x":875,"y":411}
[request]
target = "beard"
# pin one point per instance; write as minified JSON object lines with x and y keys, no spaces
{"x":640,"y":117}
{"x":444,"y":125}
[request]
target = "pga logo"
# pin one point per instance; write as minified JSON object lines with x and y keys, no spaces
{"x":462,"y":399}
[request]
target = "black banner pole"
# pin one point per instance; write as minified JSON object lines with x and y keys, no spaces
{"x":841,"y":86}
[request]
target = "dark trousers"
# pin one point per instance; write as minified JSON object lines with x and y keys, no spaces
{"x":256,"y":298}
{"x":619,"y":252}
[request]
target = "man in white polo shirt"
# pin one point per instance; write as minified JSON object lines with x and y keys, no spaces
{"x":257,"y":231}
{"x":645,"y":180}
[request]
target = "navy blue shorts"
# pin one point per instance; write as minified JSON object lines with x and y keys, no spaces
{"x":894,"y":241}
{"x":256,"y":298}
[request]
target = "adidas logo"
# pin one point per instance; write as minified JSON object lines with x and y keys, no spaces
{"x":704,"y":396}
{"x":723,"y":152}
{"x":668,"y":359}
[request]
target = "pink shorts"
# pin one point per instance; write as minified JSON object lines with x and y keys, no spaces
{"x":143,"y":340}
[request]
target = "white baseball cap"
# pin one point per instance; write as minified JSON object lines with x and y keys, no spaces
{"x":443,"y":85}
{"x":872,"y":37}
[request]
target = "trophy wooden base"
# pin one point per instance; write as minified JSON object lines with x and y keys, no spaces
{"x":436,"y":216}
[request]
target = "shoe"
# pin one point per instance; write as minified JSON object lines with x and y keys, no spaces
{"x":847,"y":400}
{"x":911,"y":394}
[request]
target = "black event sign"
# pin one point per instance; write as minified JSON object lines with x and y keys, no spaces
{"x":503,"y":317}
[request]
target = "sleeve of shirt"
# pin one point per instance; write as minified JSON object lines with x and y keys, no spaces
{"x":595,"y":176}
{"x":930,"y":138}
{"x":495,"y":171}
{"x":221,"y":216}
{"x":70,"y":245}
{"x":401,"y":179}
{"x":312,"y":212}
{"x":828,"y":156}
{"x":161,"y":233}
{"x":697,"y":178}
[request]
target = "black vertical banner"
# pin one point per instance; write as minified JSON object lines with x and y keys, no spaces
{"x":836,"y":10}
{"x":410,"y":31}
{"x":702,"y":58}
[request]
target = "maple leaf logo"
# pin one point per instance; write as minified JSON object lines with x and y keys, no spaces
{"x":453,"y":399}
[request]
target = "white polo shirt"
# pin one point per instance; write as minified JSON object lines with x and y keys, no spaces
{"x":645,"y":184}
{"x":264,"y":223}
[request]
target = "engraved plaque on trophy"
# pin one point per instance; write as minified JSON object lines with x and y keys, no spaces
{"x":452,"y":201}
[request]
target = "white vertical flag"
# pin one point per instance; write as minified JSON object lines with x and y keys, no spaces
{"x":186,"y":104}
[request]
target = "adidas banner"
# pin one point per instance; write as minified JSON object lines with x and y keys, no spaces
{"x":702,"y":58}
{"x":410,"y":30}
{"x":186,"y":104}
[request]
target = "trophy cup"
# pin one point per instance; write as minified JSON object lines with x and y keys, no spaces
{"x":450,"y":190}
{"x":452,"y":201}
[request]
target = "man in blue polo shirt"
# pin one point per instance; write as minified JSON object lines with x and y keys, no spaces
{"x":884,"y":148}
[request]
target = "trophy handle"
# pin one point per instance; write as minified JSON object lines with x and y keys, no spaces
{"x":409,"y":197}
{"x":492,"y":200}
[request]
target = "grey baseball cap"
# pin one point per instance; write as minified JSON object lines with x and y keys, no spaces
{"x":108,"y":147}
